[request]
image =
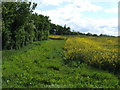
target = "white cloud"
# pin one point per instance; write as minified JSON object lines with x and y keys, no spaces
{"x":112,"y":10}
{"x":72,"y":15}
{"x":104,"y":0}
{"x":83,"y":3}
{"x":52,"y":2}
{"x":48,"y":2}
{"x":71,"y":10}
{"x":58,"y":2}
{"x":86,"y":5}
{"x":97,"y":26}
{"x":107,"y":26}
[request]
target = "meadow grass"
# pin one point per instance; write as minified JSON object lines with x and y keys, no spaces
{"x":42,"y":65}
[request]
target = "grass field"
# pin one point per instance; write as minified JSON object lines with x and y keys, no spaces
{"x":63,"y":62}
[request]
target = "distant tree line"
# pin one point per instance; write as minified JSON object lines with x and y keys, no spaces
{"x":20,"y":26}
{"x":59,"y":30}
{"x":101,"y":35}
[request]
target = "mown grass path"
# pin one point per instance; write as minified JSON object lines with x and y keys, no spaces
{"x":41,"y":65}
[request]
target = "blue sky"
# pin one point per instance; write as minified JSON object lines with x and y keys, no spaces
{"x":94,"y":16}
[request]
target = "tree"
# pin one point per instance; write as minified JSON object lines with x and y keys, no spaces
{"x":6,"y":37}
{"x":16,"y":16}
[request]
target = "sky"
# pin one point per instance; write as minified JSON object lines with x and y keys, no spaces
{"x":93,"y":16}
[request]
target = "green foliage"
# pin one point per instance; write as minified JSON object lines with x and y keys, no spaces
{"x":21,"y":26}
{"x":6,"y":37}
{"x":59,"y":30}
